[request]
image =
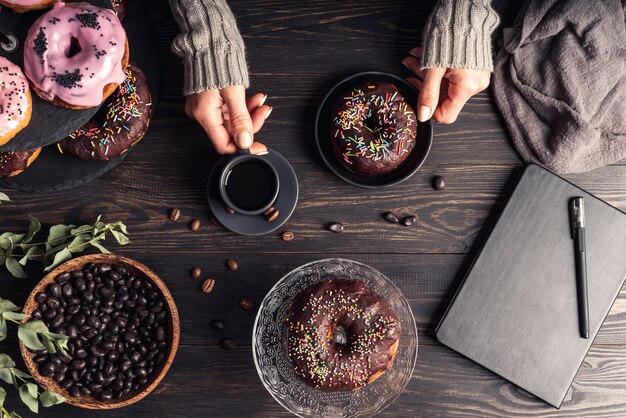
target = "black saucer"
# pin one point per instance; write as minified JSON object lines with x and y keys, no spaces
{"x":324,"y":145}
{"x":256,"y":225}
{"x":49,"y":123}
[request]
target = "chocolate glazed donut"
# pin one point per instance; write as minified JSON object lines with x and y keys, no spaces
{"x":373,"y":129}
{"x":341,"y":335}
{"x":13,"y":163}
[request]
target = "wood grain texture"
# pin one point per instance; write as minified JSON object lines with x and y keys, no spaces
{"x":296,"y":51}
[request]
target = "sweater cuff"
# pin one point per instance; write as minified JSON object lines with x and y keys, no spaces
{"x":205,"y":71}
{"x":458,"y":35}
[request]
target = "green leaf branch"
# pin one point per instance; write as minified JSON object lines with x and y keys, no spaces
{"x":62,"y":243}
{"x":4,"y":198}
{"x":36,"y":336}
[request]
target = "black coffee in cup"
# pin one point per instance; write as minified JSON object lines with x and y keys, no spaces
{"x":251,"y":185}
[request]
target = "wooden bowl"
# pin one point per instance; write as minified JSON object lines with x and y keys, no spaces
{"x":173,"y":328}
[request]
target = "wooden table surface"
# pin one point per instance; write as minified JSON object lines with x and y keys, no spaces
{"x":296,"y":50}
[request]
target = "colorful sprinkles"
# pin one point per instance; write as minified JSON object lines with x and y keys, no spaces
{"x":310,"y":344}
{"x":369,"y":124}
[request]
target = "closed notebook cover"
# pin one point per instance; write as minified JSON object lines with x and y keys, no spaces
{"x":516,"y":311}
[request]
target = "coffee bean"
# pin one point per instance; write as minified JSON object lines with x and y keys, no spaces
{"x":67,"y":290}
{"x":232,"y":265}
{"x":196,"y":272}
{"x":409,"y":220}
{"x":40,"y":358}
{"x":218,"y":325}
{"x":439,"y":183}
{"x":272,"y":216}
{"x":245,"y":304}
{"x":391,"y":217}
{"x":195,"y":225}
{"x":47,"y":369}
{"x":79,"y":284}
{"x":287,"y":236}
{"x":62,"y":278}
{"x":229,"y":210}
{"x":207,"y":285}
{"x":40,"y":297}
{"x":160,"y":334}
{"x":66,"y":383}
{"x":269,"y":211}
{"x":78,"y":364}
{"x":227,"y":344}
{"x":174,"y":214}
{"x":336,"y":227}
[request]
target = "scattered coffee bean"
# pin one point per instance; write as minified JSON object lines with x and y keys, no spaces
{"x":207,"y":285}
{"x":391,"y":217}
{"x":196,"y":272}
{"x":269,"y":211}
{"x":245,"y":304}
{"x":195,"y":225}
{"x":174,"y":214}
{"x":232,"y":265}
{"x":287,"y":236}
{"x":227,"y":344}
{"x":272,"y":216}
{"x":229,"y":210}
{"x":336,"y":227}
{"x":218,"y":325}
{"x":409,"y":220}
{"x":439,"y":183}
{"x":117,"y":328}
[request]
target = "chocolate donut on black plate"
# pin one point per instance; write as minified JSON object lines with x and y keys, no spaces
{"x":13,"y":163}
{"x":341,"y":335}
{"x":121,"y":122}
{"x":373,"y":129}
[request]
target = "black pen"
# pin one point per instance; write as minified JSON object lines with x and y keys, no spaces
{"x":577,"y":220}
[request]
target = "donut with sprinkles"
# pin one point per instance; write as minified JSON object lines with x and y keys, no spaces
{"x":120,"y":123}
{"x":15,"y":101}
{"x":75,"y":55}
{"x":13,"y":163}
{"x":22,"y":6}
{"x":373,"y":129}
{"x":341,"y":335}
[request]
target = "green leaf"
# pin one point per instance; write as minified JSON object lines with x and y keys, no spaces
{"x":9,"y":239}
{"x":29,"y":338}
{"x":29,"y":394}
{"x":58,"y":234}
{"x":121,"y":238}
{"x":81,"y":230}
{"x":15,"y":268}
{"x":100,"y":247}
{"x":78,"y":243}
{"x":33,"y":227}
{"x":50,"y":398}
{"x":59,"y":258}
{"x":50,"y":347}
{"x":14,"y":316}
{"x":33,"y":253}
{"x":6,"y":362}
{"x":3,"y":328}
{"x":20,"y":373}
{"x":7,"y":376}
{"x":4,"y":197}
{"x":14,"y":414}
{"x":7,"y":306}
{"x":3,"y":395}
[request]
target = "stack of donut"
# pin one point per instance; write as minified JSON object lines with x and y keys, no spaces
{"x":76,"y":55}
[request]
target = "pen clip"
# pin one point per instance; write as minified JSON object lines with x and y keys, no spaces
{"x":576,"y":214}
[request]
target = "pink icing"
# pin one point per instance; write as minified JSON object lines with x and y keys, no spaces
{"x":78,"y":80}
{"x":23,"y":2}
{"x":13,"y":99}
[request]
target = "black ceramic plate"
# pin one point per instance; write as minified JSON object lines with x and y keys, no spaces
{"x":53,"y":171}
{"x":323,"y":138}
{"x":256,"y":225}
{"x":49,"y":123}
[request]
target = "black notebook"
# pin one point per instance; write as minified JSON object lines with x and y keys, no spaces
{"x":516,"y":311}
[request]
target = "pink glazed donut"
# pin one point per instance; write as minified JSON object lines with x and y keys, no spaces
{"x":22,"y":6}
{"x":15,"y":100}
{"x":75,"y":55}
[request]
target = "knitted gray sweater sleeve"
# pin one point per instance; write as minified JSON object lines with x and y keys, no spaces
{"x":458,"y":35}
{"x":209,"y":44}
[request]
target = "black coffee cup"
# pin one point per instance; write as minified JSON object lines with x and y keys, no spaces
{"x":249,"y":184}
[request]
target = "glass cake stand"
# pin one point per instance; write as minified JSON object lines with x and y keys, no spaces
{"x":275,"y":369}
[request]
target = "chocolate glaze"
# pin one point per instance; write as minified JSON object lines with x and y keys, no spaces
{"x":372,"y":331}
{"x":14,"y":162}
{"x":373,"y":129}
{"x":120,"y":123}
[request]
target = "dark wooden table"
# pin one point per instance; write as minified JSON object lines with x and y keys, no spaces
{"x":296,"y":50}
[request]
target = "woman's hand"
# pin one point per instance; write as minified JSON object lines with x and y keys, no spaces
{"x":444,"y":91}
{"x":229,"y":119}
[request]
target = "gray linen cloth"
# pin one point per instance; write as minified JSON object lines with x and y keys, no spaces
{"x":560,"y":83}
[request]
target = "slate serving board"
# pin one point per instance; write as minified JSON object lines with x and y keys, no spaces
{"x":49,"y":123}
